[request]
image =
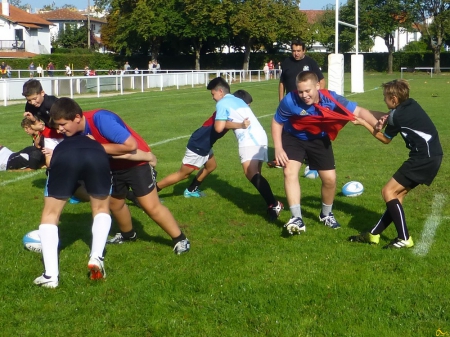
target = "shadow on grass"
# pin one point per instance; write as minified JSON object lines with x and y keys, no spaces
{"x":250,"y":203}
{"x":74,"y":227}
{"x":362,"y":219}
{"x":39,"y":183}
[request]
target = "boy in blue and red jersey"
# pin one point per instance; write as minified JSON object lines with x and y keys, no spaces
{"x":199,"y":152}
{"x":118,"y":139}
{"x":304,"y":124}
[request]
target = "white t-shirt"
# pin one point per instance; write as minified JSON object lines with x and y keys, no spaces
{"x":50,"y":143}
{"x":4,"y":156}
{"x":231,"y":108}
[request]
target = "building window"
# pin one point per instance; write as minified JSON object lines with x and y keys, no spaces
{"x":18,"y":35}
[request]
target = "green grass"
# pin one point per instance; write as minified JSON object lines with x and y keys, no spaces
{"x":244,"y":276}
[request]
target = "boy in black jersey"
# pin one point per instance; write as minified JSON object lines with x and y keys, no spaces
{"x":38,"y":102}
{"x":407,"y":118}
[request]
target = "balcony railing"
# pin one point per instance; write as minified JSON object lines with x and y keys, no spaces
{"x":12,"y":45}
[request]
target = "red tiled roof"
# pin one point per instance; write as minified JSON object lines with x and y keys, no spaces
{"x":63,"y":14}
{"x":313,"y":15}
{"x":24,"y":18}
{"x":16,"y":55}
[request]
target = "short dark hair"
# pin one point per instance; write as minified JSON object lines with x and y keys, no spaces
{"x":219,"y":83}
{"x":298,"y":42}
{"x":244,"y":95}
{"x":31,"y":87}
{"x":306,"y":76}
{"x":65,"y":108}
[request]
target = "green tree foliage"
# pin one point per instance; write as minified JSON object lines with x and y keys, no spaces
{"x":73,"y":37}
{"x":18,"y":4}
{"x":259,"y":22}
{"x":433,"y":21}
{"x":193,"y":26}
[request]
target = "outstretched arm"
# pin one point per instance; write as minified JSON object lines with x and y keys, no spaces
{"x":371,"y":117}
{"x":375,"y":131}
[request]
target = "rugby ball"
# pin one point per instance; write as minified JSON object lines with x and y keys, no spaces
{"x":352,"y":189}
{"x":32,"y":241}
{"x":310,"y":174}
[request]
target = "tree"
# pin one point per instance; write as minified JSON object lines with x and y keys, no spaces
{"x":200,"y":20}
{"x":382,"y":18}
{"x":265,"y":21}
{"x":73,"y":37}
{"x":433,"y":17}
{"x":138,"y":26}
{"x":18,"y":4}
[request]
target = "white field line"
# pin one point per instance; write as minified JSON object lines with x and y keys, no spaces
{"x":25,"y":176}
{"x":431,"y":225}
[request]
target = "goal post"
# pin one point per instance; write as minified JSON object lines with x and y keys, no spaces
{"x":336,"y":60}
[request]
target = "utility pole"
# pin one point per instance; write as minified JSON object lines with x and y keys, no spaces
{"x":89,"y":24}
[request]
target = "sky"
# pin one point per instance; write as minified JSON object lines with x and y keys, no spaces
{"x":82,"y":4}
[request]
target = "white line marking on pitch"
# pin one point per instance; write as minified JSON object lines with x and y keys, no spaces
{"x":431,"y":225}
{"x":25,"y":176}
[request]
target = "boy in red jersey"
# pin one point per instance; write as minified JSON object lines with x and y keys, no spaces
{"x":119,"y":139}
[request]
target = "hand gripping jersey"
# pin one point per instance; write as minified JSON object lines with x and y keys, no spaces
{"x":329,"y":121}
{"x":109,"y":121}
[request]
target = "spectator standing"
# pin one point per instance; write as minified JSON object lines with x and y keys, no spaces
{"x":266,"y":71}
{"x":3,"y":69}
{"x":8,"y":71}
{"x":126,"y":67}
{"x":278,"y":70}
{"x":271,"y":69}
{"x":50,"y":69}
{"x":31,"y":68}
{"x":39,"y":70}
{"x":68,"y":70}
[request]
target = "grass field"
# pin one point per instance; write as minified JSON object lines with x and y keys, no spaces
{"x":243,"y":275}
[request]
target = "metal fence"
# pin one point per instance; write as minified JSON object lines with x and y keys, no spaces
{"x":71,"y":86}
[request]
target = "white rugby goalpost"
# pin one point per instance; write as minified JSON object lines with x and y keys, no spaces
{"x":336,"y":60}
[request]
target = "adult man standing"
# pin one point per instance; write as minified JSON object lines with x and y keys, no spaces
{"x":295,"y":64}
{"x":304,"y":124}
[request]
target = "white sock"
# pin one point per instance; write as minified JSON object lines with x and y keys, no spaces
{"x":49,"y":240}
{"x":296,"y":211}
{"x":100,"y":230}
{"x":326,"y":209}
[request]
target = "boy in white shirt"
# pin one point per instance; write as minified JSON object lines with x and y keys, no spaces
{"x":252,"y":140}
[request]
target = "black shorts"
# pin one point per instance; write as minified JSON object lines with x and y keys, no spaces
{"x":29,"y":157}
{"x":416,"y":171}
{"x":319,"y":151}
{"x":141,"y":179}
{"x":78,"y":158}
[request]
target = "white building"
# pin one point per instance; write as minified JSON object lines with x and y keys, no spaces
{"x":63,"y":17}
{"x":22,"y":34}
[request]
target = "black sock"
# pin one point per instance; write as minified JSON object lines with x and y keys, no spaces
{"x":194,"y":185}
{"x":395,"y":208}
{"x":382,"y":224}
{"x":179,"y":238}
{"x":263,"y":187}
{"x":127,"y":235}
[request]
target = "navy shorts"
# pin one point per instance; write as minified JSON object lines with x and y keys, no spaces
{"x":416,"y":171}
{"x":141,"y":179}
{"x":78,"y":158}
{"x":319,"y":151}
